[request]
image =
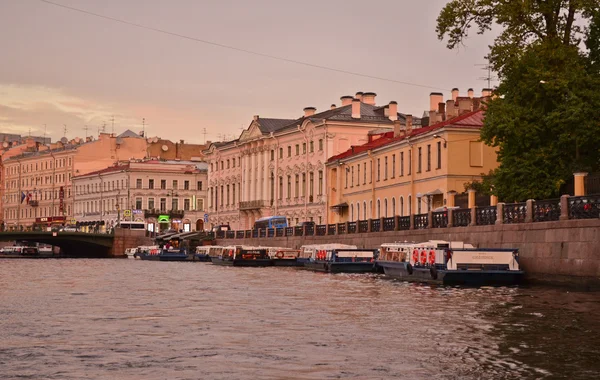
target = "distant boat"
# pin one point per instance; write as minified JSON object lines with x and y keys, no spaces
{"x":332,"y":259}
{"x":284,"y":257}
{"x":243,"y":256}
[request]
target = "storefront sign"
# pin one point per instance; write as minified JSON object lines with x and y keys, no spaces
{"x":61,"y":197}
{"x":164,"y":219}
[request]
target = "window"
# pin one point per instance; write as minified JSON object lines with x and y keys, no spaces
{"x":401,"y":164}
{"x":163,"y":184}
{"x":199,"y":185}
{"x":385,"y":168}
{"x":357,"y":211}
{"x":393,"y":206}
{"x":439,"y":155}
{"x":401,"y":206}
{"x":151,"y":184}
{"x":365,"y":173}
{"x":150,"y":203}
{"x":222,"y":193}
{"x":280,"y":187}
{"x":320,"y":182}
{"x":347,"y":175}
{"x":186,"y":204}
{"x":429,"y":157}
{"x":227,"y":199}
{"x":297,"y":149}
{"x":289,"y":151}
{"x":311,"y":147}
{"x":385,"y":208}
{"x":289,"y":187}
{"x":419,"y":161}
{"x":311,"y":183}
{"x":297,"y":188}
{"x":272,"y":154}
{"x":163,"y":204}
{"x":280,"y":152}
{"x":418,"y":205}
{"x":409,"y":161}
{"x":378,"y":209}
{"x":200,"y":204}
{"x":409,"y":205}
{"x":174,"y":204}
{"x":303,"y":184}
{"x":320,"y":144}
{"x":352,"y":177}
{"x":138,"y":203}
{"x":303,"y":148}
{"x":233,"y":162}
{"x":222,"y":165}
{"x":186,"y":185}
{"x":393,"y":165}
{"x":175,"y":184}
{"x":358,"y":176}
{"x":233,"y":194}
{"x":228,"y":164}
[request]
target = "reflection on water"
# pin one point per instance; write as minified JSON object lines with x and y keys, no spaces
{"x":127,"y":319}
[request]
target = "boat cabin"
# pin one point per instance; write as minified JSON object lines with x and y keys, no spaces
{"x":311,"y":251}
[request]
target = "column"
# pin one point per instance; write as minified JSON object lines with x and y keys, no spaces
{"x":493,"y":200}
{"x":471,"y":198}
{"x":266,"y":188}
{"x":450,"y":199}
{"x":253,"y":176}
{"x":580,"y":183}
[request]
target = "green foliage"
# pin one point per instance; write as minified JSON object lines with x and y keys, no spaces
{"x":545,"y":119}
{"x":485,"y":186}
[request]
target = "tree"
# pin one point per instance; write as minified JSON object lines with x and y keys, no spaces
{"x":545,"y":117}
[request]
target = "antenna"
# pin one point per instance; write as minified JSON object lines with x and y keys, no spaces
{"x":489,"y":78}
{"x":29,"y":131}
{"x":144,"y":126}
{"x":86,"y":129}
{"x":204,"y":133}
{"x":103,"y":127}
{"x":65,"y":130}
{"x":113,"y":124}
{"x":44,"y":133}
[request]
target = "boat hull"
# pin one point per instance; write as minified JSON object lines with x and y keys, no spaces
{"x":243,"y":263}
{"x":173,"y":257}
{"x":337,"y":267}
{"x":143,"y":256}
{"x":287,"y":263}
{"x":400,"y":270}
{"x":202,"y":257}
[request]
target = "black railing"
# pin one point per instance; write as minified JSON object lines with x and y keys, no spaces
{"x":321,"y":230}
{"x":546,"y":210}
{"x":389,"y":224}
{"x":289,"y":231}
{"x":363,"y":226}
{"x":230,"y":234}
{"x":341,"y":228}
{"x":404,"y":223}
{"x":220,"y":234}
{"x":239,"y":234}
{"x":486,"y":216}
{"x":375,"y":225}
{"x":352,"y":227}
{"x":279,"y":232}
{"x":586,"y":207}
{"x":310,"y":230}
{"x":439,"y":219}
{"x":298,"y":231}
{"x":262,"y":232}
{"x":461,"y":217}
{"x":248,"y":233}
{"x":515,"y":213}
{"x":331,"y":229}
{"x":254,"y":233}
{"x":271,"y":232}
{"x":421,"y":221}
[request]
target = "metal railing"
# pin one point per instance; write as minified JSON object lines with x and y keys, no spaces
{"x":363,"y":225}
{"x":439,"y":219}
{"x":421,"y":221}
{"x":352,"y":227}
{"x":389,"y":224}
{"x":486,"y":216}
{"x":375,"y":225}
{"x":586,"y":207}
{"x":461,"y":217}
{"x":515,"y":213}
{"x":404,"y":223}
{"x":298,"y":231}
{"x":546,"y":210}
{"x":321,"y":230}
{"x":331,"y":229}
{"x":341,"y":228}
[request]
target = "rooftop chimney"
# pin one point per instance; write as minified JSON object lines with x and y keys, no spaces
{"x":369,"y":98}
{"x":470,"y":92}
{"x":486,"y":92}
{"x":256,"y":118}
{"x":435,"y":98}
{"x":359,"y":96}
{"x":442,"y":110}
{"x":393,"y":110}
{"x":332,"y":107}
{"x":454,"y":93}
{"x":309,"y":111}
{"x":409,"y":122}
{"x":397,"y":128}
{"x":346,"y":100}
{"x":355,"y":108}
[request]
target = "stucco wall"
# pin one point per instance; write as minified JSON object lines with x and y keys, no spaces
{"x":563,"y":251}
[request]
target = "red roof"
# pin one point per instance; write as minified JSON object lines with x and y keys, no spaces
{"x":105,"y":170}
{"x":470,"y":120}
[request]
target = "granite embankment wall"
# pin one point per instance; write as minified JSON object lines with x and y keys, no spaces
{"x":566,"y":251}
{"x":125,"y":238}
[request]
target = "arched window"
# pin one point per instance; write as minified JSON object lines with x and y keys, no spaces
{"x":365,"y":213}
{"x":385,"y":207}
{"x":393,"y":206}
{"x":401,"y":206}
{"x":352,"y":213}
{"x":370,"y":210}
{"x":409,"y":205}
{"x":378,"y":209}
{"x":357,"y":210}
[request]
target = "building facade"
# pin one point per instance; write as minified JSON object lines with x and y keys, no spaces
{"x":411,"y":171}
{"x":277,"y":166}
{"x":165,"y":194}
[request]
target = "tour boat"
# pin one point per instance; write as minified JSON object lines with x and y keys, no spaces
{"x":284,"y":257}
{"x":203,"y":253}
{"x":148,"y":252}
{"x":450,"y":263}
{"x":243,"y":256}
{"x":131,"y":252}
{"x":308,"y":250}
{"x":173,"y":254}
{"x":335,"y":258}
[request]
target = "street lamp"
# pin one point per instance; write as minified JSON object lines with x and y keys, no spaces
{"x":440,"y":137}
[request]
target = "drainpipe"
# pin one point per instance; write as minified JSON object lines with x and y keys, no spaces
{"x":373,"y":198}
{"x":325,"y":173}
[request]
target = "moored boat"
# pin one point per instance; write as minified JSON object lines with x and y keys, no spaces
{"x":203,"y":253}
{"x":148,"y":252}
{"x":243,"y":256}
{"x":173,"y":254}
{"x":131,"y":252}
{"x":334,"y":259}
{"x":284,"y":257}
{"x":450,"y":263}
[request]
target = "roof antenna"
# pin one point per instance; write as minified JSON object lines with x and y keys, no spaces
{"x":144,"y":126}
{"x":113,"y":124}
{"x":65,"y":130}
{"x":204,"y":133}
{"x":86,"y":129}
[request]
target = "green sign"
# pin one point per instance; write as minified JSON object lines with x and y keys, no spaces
{"x":164,"y":219}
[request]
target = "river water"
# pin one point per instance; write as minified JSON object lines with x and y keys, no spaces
{"x":131,"y":319}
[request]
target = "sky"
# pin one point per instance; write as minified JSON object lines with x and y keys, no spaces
{"x":65,"y":70}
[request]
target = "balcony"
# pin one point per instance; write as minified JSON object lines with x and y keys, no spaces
{"x":253,"y":205}
{"x":34,"y":203}
{"x":173,"y":214}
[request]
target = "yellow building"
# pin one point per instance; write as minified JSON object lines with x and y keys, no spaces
{"x":411,"y":171}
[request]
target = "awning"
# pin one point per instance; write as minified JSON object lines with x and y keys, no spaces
{"x":340,"y":206}
{"x":184,"y":235}
{"x":435,"y":192}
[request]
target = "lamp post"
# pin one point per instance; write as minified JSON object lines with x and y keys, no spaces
{"x":441,"y":138}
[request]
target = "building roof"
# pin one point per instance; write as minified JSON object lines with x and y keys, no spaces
{"x":272,"y":125}
{"x":470,"y":120}
{"x":110,"y":169}
{"x":130,"y":133}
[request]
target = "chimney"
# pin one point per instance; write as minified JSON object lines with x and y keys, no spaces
{"x":359,"y":96}
{"x":451,"y":109}
{"x":369,"y":98}
{"x":309,"y":111}
{"x":435,"y":98}
{"x":332,"y":107}
{"x":486,"y":92}
{"x":409,"y":122}
{"x":465,"y":105}
{"x":256,"y":117}
{"x":433,"y":117}
{"x":442,"y":110}
{"x":397,"y":128}
{"x":454,"y":93}
{"x":355,"y":108}
{"x":346,"y":100}
{"x":470,"y":92}
{"x":393,"y":110}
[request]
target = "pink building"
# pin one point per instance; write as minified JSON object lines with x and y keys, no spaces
{"x":277,"y":166}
